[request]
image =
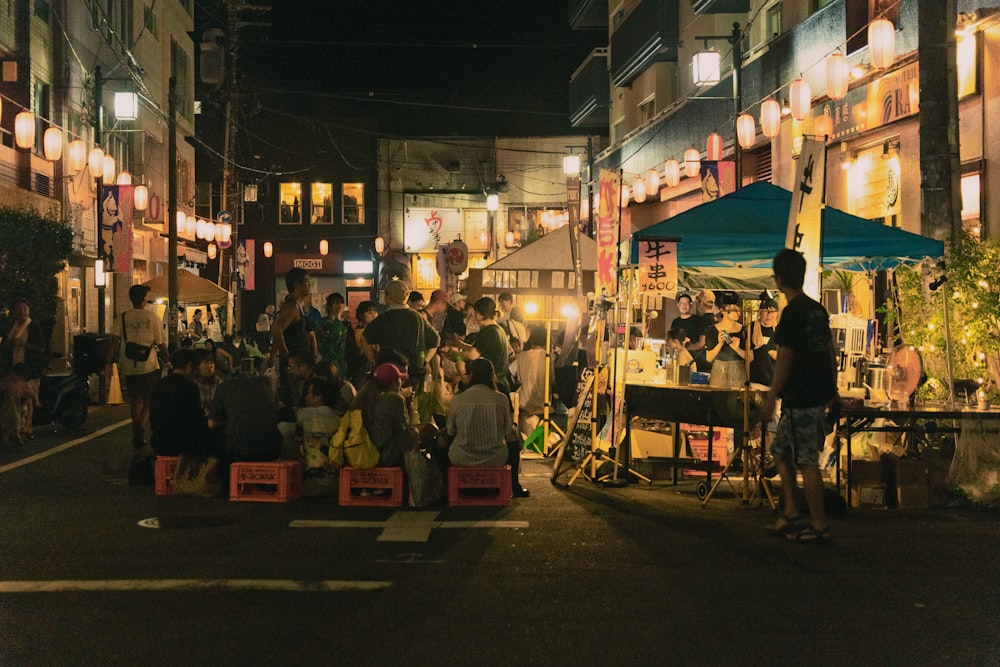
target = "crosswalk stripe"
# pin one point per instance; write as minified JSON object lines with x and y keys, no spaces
{"x":98,"y":585}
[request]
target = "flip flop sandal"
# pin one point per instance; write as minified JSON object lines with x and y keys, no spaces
{"x":785,"y":525}
{"x":811,"y":536}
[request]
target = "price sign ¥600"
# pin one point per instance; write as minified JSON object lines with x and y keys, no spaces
{"x":658,"y":267}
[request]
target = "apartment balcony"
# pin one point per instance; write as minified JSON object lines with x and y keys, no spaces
{"x":648,"y":35}
{"x":590,"y":92}
{"x":720,"y":6}
{"x":588,"y":14}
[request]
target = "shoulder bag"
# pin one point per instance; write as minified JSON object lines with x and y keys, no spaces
{"x":134,"y":351}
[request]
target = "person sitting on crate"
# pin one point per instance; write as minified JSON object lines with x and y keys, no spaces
{"x":384,"y":414}
{"x":176,"y":416}
{"x":247,"y":410}
{"x":317,"y":422}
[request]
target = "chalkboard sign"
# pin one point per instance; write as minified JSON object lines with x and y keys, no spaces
{"x":577,"y":442}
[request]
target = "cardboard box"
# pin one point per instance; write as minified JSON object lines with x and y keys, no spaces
{"x":868,"y":496}
{"x":866,"y":472}
{"x":913,"y":496}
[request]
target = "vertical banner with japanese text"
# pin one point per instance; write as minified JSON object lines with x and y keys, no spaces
{"x":608,"y":220}
{"x":115,"y":246}
{"x":658,"y":267}
{"x":805,"y":218}
{"x":245,"y":265}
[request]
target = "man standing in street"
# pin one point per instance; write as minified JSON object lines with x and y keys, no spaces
{"x":805,"y":380}
{"x":406,"y":330}
{"x":290,"y":332}
{"x":142,"y":327}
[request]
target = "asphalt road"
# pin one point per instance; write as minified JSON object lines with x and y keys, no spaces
{"x":588,"y":575}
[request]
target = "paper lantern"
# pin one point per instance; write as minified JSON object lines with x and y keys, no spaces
{"x":77,"y":156}
{"x":379,"y":245}
{"x":652,"y":182}
{"x":746,"y":130}
{"x":638,"y":190}
{"x":770,"y":117}
{"x":108,"y":169}
{"x":823,"y":126}
{"x":268,"y":249}
{"x":140,"y":197}
{"x":801,"y":99}
{"x":24,"y":129}
{"x":672,"y":172}
{"x":209,"y":230}
{"x":52,"y":143}
{"x":324,"y":247}
{"x":882,"y":42}
{"x":124,"y":178}
{"x":95,"y":162}
{"x":623,"y":196}
{"x":227,"y":233}
{"x":706,"y":67}
{"x":837,"y":75}
{"x":713,"y":147}
{"x":692,"y":162}
{"x":211,"y":251}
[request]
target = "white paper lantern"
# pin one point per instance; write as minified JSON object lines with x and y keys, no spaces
{"x":52,"y":143}
{"x":837,"y":75}
{"x":882,"y":42}
{"x":692,"y":162}
{"x":746,"y":130}
{"x":800,"y":98}
{"x":770,"y":117}
{"x":672,"y":172}
{"x":77,"y":155}
{"x":24,"y":130}
{"x":95,"y":162}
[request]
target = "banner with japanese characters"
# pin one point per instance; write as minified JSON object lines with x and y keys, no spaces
{"x":805,"y":219}
{"x":115,"y":242}
{"x":608,"y":219}
{"x":658,"y":267}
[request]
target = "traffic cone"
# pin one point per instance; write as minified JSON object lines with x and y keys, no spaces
{"x":115,"y":388}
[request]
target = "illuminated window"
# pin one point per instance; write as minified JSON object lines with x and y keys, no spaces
{"x":971,"y":200}
{"x":290,"y":205}
{"x":322,"y":204}
{"x":353,"y":203}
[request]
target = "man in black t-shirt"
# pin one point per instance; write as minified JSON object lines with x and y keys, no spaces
{"x":805,"y":380}
{"x":687,"y":322}
{"x":406,"y":330}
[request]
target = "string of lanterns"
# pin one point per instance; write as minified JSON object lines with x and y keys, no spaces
{"x":882,"y":51}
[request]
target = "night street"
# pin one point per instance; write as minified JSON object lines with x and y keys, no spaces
{"x":580,"y":576}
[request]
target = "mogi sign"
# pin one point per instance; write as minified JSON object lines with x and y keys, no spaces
{"x":308,"y":264}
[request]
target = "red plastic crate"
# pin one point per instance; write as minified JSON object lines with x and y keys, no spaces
{"x":163,"y":471}
{"x":268,"y":482}
{"x":479,"y":486}
{"x":699,"y":450}
{"x":354,"y":481}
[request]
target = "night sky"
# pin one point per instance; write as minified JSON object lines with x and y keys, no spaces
{"x":466,"y":67}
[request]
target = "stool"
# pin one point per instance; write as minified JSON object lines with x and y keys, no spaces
{"x":469,"y":487}
{"x":163,"y":471}
{"x":267,"y":482}
{"x":355,"y":480}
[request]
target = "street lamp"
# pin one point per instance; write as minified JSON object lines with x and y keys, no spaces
{"x":705,"y":67}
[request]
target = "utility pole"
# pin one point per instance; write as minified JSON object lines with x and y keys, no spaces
{"x":172,"y":213}
{"x":940,"y":166}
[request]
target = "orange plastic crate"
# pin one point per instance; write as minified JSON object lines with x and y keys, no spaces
{"x":355,"y":481}
{"x":479,"y":486}
{"x":699,"y":450}
{"x":163,"y":471}
{"x":268,"y":482}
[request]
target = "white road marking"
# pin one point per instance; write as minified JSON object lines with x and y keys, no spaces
{"x":406,"y":526}
{"x":63,"y":447}
{"x":96,"y":585}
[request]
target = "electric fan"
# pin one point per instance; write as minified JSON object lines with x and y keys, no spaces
{"x":903,"y":373}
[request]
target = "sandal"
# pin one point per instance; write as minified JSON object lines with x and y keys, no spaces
{"x":810,"y":535}
{"x":785,"y":525}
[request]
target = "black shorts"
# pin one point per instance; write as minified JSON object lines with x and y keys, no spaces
{"x":141,"y":385}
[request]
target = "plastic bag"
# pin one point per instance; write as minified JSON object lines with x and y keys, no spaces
{"x":426,"y":482}
{"x":351,"y":445}
{"x":197,"y":476}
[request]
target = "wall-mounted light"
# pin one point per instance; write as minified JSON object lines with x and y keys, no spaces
{"x":492,"y":202}
{"x":268,"y":249}
{"x":379,"y":245}
{"x":706,"y":68}
{"x":126,"y":105}
{"x":100,"y":277}
{"x":571,"y":165}
{"x":324,"y":247}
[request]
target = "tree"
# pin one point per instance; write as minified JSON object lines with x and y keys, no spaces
{"x":33,"y":250}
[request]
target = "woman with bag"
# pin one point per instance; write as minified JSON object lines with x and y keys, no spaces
{"x":384,"y":414}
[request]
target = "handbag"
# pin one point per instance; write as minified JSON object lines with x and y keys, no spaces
{"x":351,"y":445}
{"x":424,"y":477}
{"x":197,"y":476}
{"x":134,"y":351}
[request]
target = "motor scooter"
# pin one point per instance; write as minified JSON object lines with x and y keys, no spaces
{"x":64,"y":398}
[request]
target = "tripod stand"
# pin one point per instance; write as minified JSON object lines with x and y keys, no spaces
{"x":754,"y":477}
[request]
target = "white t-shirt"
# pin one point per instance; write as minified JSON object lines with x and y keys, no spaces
{"x":143,"y":327}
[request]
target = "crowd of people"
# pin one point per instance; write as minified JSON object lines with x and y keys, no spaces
{"x":402,"y":366}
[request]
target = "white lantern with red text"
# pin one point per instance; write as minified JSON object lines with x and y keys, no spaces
{"x":770,"y":117}
{"x":800,"y":99}
{"x":692,"y":162}
{"x":672,"y":172}
{"x":746,"y":130}
{"x":837,"y":75}
{"x":882,"y":42}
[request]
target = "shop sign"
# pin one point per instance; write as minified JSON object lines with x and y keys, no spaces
{"x":658,"y":267}
{"x":424,"y":228}
{"x":308,"y":264}
{"x":805,"y":215}
{"x":608,"y":219}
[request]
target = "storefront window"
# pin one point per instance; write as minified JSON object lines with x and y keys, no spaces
{"x":290,"y":206}
{"x":322,"y":204}
{"x":353,"y":203}
{"x":971,"y":200}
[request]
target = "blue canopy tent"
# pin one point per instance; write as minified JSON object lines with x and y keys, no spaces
{"x":730,"y":242}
